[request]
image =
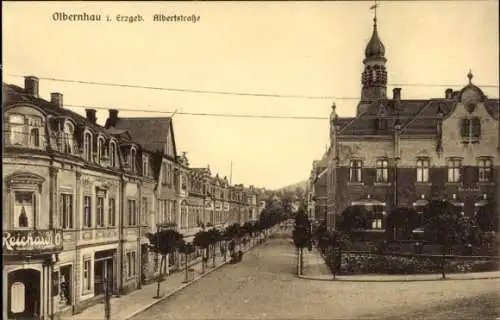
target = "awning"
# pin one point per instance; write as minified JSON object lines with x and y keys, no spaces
{"x":368,"y":202}
{"x":481,"y":203}
{"x":420,"y":203}
{"x":457,"y":203}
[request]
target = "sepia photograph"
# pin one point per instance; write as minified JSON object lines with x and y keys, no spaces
{"x":246,"y":160}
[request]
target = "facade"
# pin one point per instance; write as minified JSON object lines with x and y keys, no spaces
{"x":398,"y":152}
{"x":318,"y":195}
{"x":80,"y":198}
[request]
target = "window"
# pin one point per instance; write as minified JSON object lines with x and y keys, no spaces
{"x":35,"y":137}
{"x":164,"y":175}
{"x":87,"y":212}
{"x":485,"y":170}
{"x":145,"y":166}
{"x":132,"y":159}
{"x":24,"y":209}
{"x":169,"y":174}
{"x":470,"y":128}
{"x":144,"y":211}
{"x":101,"y":150}
{"x":130,"y":264}
{"x":16,"y":124}
{"x":86,"y":275}
{"x":100,"y":212}
{"x":377,"y":224}
{"x":423,"y":170}
{"x":382,"y":171}
{"x":184,"y":217}
{"x":68,"y":138}
{"x":132,"y":213}
{"x":164,"y":212}
{"x":66,"y":209}
{"x":355,"y":170}
{"x":112,"y":212}
{"x":87,"y":146}
{"x":454,"y":170}
{"x":112,"y":154}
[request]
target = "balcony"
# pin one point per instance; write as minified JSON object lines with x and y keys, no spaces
{"x":32,"y":242}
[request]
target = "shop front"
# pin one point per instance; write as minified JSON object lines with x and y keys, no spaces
{"x":104,"y":270}
{"x":28,"y":267}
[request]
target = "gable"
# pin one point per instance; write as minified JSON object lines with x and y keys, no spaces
{"x":169,"y":147}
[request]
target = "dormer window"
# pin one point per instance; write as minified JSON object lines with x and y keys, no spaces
{"x":87,"y":146}
{"x":145,"y":165}
{"x":16,"y":124}
{"x":68,"y":138}
{"x":101,"y":150}
{"x":470,"y":129}
{"x":132,"y":159}
{"x":112,"y":154}
{"x":35,"y":137}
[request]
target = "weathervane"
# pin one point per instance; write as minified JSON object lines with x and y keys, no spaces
{"x":374,"y":8}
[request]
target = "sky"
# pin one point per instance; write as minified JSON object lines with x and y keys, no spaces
{"x":286,"y":48}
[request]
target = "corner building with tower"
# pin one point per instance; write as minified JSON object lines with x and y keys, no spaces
{"x":403,"y":152}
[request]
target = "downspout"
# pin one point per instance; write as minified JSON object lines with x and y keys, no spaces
{"x":396,"y":152}
{"x":120,"y":233}
{"x":139,"y":246}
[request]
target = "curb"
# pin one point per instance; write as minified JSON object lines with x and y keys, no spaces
{"x":183,"y":286}
{"x":337,"y":279}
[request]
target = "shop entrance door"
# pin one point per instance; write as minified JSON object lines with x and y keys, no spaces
{"x":103,"y":271}
{"x":24,"y":294}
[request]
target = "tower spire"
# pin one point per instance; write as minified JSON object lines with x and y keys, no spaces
{"x":374,"y":8}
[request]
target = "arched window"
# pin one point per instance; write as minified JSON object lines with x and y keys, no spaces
{"x":112,"y":154}
{"x":35,"y":137}
{"x":132,"y":159}
{"x":16,"y":126}
{"x":68,"y":138}
{"x":87,"y":146}
{"x":101,"y":149}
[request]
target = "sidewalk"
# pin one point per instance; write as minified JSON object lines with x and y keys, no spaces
{"x":315,"y":269}
{"x":127,"y":306}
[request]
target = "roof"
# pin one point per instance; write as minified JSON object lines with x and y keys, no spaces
{"x":13,"y":94}
{"x":417,"y":117}
{"x":149,"y":132}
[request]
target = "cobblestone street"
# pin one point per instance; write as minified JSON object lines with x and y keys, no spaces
{"x":264,"y":286}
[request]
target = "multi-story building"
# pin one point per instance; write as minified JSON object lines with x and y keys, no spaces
{"x":318,"y":196}
{"x":84,"y":179}
{"x":401,"y":152}
{"x":80,"y":199}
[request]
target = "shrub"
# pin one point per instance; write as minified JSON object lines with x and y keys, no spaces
{"x":354,"y":263}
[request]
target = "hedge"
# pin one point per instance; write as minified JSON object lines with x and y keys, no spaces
{"x":355,"y":263}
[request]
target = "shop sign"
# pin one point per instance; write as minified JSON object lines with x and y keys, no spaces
{"x":218,"y":206}
{"x":32,"y":240}
{"x":226,"y":206}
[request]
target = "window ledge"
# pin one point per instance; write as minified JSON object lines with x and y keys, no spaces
{"x":355,"y":183}
{"x":486,"y":183}
{"x":457,"y":184}
{"x":381,"y":184}
{"x":423,"y":184}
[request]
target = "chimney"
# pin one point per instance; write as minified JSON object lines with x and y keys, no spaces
{"x":31,"y":86}
{"x":112,"y":118}
{"x":396,"y":94}
{"x":448,"y":94}
{"x":56,"y":99}
{"x":91,"y":115}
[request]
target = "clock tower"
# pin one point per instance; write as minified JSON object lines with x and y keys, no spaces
{"x":374,"y":76}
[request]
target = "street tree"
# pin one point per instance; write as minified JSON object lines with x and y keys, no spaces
{"x":301,"y":238}
{"x":186,"y":248}
{"x":202,"y":240}
{"x":164,"y":243}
